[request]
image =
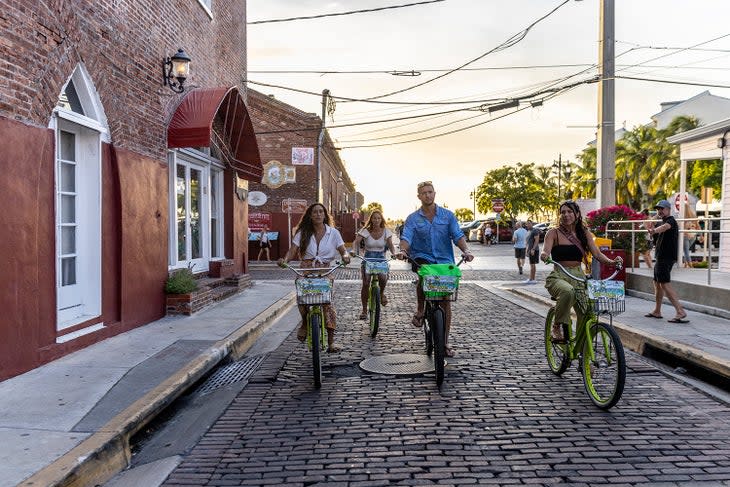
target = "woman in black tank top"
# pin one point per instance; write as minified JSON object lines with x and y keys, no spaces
{"x":568,"y":244}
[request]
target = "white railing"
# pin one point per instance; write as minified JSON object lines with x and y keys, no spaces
{"x":637,"y":227}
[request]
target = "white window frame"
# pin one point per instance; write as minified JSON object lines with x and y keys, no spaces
{"x":90,"y":129}
{"x":211,"y":173}
{"x":207,"y":6}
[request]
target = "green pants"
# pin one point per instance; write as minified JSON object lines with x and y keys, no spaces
{"x":562,"y":288}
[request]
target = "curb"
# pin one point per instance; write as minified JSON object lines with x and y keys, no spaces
{"x":107,"y":452}
{"x":637,"y":341}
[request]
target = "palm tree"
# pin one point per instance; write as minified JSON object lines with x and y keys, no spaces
{"x":633,"y":169}
{"x":665,"y":164}
{"x":583,"y":178}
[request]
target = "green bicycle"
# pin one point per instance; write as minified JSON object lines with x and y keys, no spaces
{"x":314,"y":289}
{"x":374,"y":267}
{"x":440,"y":283}
{"x":594,"y":343}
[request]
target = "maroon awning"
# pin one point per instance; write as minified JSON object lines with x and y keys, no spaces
{"x":192,"y":125}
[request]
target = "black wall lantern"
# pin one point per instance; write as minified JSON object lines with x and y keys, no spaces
{"x":177,"y":68}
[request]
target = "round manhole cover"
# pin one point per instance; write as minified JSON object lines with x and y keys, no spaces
{"x":398,"y":364}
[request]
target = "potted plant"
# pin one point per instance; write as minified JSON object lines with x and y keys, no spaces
{"x":597,"y":221}
{"x":183,"y":295}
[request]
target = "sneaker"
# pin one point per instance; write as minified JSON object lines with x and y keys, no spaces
{"x":530,"y":281}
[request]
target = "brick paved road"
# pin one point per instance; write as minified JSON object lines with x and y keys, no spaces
{"x":502,"y":418}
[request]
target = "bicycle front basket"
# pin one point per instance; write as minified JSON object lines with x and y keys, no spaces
{"x":313,"y":290}
{"x":440,"y":281}
{"x":608,"y":297}
{"x":377,"y":267}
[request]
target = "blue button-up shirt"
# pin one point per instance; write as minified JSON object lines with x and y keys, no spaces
{"x":432,"y":240}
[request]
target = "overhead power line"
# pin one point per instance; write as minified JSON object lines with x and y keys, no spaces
{"x":674,"y":82}
{"x":351,"y":12}
{"x":505,"y":45}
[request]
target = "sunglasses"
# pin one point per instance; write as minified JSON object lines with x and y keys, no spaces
{"x":424,"y":183}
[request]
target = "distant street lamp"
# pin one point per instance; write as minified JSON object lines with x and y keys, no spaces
{"x":473,"y":196}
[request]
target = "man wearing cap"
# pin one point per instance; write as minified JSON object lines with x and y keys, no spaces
{"x":666,"y":241}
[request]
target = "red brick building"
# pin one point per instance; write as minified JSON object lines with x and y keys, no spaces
{"x":112,"y":179}
{"x":279,"y":129}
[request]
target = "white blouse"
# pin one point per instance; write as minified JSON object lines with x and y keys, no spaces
{"x":324,"y":252}
{"x":373,"y":244}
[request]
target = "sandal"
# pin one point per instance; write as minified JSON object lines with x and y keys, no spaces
{"x":417,"y":320}
{"x":449,"y":352}
{"x":652,"y":315}
{"x":556,"y":334}
{"x":333,"y":348}
{"x":383,"y":300}
{"x":364,"y":315}
{"x":302,"y":334}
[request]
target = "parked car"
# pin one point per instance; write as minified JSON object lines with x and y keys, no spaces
{"x":543,"y":228}
{"x":505,"y":230}
{"x":470,"y":229}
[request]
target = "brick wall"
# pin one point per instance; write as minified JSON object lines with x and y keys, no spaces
{"x":279,"y":127}
{"x":122,"y":44}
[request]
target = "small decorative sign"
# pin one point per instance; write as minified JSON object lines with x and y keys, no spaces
{"x":302,"y":156}
{"x":273,"y":174}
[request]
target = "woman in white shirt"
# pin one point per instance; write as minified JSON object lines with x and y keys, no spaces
{"x":264,"y":243}
{"x":317,"y":243}
{"x":377,"y":238}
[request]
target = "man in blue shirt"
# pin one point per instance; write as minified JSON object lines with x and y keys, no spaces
{"x":427,"y":238}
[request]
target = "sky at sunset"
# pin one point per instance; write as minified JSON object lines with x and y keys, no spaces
{"x":433,"y":38}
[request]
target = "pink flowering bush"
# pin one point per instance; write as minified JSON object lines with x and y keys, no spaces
{"x":597,"y":220}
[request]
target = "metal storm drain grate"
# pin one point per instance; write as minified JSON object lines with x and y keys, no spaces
{"x":398,"y":364}
{"x":231,"y":373}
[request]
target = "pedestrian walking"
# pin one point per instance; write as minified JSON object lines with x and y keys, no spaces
{"x":533,"y":249}
{"x":519,"y":239}
{"x":666,"y":241}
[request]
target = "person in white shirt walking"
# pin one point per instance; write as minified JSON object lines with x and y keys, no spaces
{"x":519,"y":239}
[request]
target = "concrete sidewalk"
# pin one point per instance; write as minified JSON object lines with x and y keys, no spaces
{"x":69,"y":422}
{"x":704,"y":341}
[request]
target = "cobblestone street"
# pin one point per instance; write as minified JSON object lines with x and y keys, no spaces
{"x":501,"y":417}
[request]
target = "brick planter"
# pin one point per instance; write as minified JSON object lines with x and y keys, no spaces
{"x":187,"y":304}
{"x":239,"y":281}
{"x":221,"y":268}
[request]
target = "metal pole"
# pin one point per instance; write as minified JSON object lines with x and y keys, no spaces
{"x":605,"y":165}
{"x":560,"y":171}
{"x":318,"y":179}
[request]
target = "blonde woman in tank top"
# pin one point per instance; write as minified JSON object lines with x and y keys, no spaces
{"x":376,"y":238}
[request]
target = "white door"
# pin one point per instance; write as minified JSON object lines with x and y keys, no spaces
{"x":192,"y":223}
{"x":78,"y":223}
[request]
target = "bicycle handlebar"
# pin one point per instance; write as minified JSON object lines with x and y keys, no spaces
{"x":408,"y":259}
{"x":320,"y":271}
{"x":618,"y":268}
{"x":373,"y":259}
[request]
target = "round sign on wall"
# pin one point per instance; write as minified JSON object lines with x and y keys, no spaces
{"x":256,"y":198}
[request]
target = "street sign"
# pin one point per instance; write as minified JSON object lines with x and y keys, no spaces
{"x":290,"y":205}
{"x":355,"y":215}
{"x":497,"y":205}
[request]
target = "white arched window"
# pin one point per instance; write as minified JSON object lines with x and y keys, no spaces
{"x":80,"y":126}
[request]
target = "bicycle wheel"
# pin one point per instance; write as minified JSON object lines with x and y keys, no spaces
{"x":604,"y":376}
{"x":438,"y":332}
{"x":315,"y":328}
{"x":374,"y":309}
{"x":556,"y":353}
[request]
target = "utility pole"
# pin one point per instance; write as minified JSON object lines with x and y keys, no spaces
{"x":606,"y":149}
{"x":560,"y":172}
{"x":320,"y":141}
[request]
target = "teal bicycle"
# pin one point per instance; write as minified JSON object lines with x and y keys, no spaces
{"x":595,"y":344}
{"x":374,"y":267}
{"x":314,"y":289}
